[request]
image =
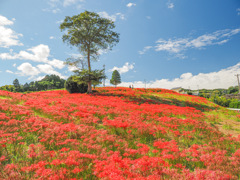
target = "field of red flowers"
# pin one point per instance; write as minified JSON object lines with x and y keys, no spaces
{"x":115,"y":133}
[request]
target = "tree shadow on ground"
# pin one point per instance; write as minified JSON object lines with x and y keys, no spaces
{"x":151,"y":99}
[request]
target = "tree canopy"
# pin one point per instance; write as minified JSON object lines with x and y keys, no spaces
{"x":16,"y":84}
{"x":90,"y":33}
{"x":116,"y":78}
{"x":48,"y":82}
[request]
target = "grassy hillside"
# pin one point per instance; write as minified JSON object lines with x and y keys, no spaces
{"x":117,"y":133}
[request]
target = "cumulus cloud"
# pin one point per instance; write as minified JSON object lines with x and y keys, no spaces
{"x":223,"y":78}
{"x":27,"y":69}
{"x":8,"y":37}
{"x":113,"y":17}
{"x":51,"y":37}
{"x":57,"y":63}
{"x":38,"y":53}
{"x":131,"y":5}
{"x":4,"y":21}
{"x":178,"y":45}
{"x":48,"y":69}
{"x":238,"y":11}
{"x":125,"y":68}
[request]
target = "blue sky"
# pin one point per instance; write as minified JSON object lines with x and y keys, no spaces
{"x":163,"y":43}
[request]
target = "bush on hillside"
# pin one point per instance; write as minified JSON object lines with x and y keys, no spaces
{"x":235,"y":103}
{"x":73,"y":85}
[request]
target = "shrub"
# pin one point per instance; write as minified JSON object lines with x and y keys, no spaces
{"x":73,"y":85}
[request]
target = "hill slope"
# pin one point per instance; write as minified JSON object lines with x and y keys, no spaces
{"x":117,"y":133}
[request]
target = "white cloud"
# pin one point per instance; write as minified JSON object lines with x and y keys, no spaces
{"x":120,"y":15}
{"x":223,"y":78}
{"x":55,"y":5}
{"x":4,"y":21}
{"x":26,"y":69}
{"x":59,"y":22}
{"x":72,"y":68}
{"x":148,"y":17}
{"x":51,"y":37}
{"x":53,"y":10}
{"x":170,"y":5}
{"x":71,"y":2}
{"x":181,"y":44}
{"x":113,"y":17}
{"x":8,"y":71}
{"x":14,"y":65}
{"x":46,"y":68}
{"x":173,"y":46}
{"x":57,"y":63}
{"x":104,"y":14}
{"x":8,"y":37}
{"x":238,"y":11}
{"x":39,"y":78}
{"x":126,"y":67}
{"x":145,"y":49}
{"x":38,"y":53}
{"x":131,"y":5}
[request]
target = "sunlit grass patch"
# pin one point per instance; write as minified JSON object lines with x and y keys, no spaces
{"x":5,"y":97}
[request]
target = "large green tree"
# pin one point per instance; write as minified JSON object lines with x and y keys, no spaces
{"x":116,"y":78}
{"x":90,"y":33}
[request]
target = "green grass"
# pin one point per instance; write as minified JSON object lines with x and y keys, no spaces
{"x":227,"y":127}
{"x":5,"y":97}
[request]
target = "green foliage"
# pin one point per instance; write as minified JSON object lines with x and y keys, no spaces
{"x":74,"y":85}
{"x":116,"y":78}
{"x":16,"y":84}
{"x":220,"y":100}
{"x":26,"y":87}
{"x":10,"y":88}
{"x":52,"y":82}
{"x":86,"y":76}
{"x":235,"y":103}
{"x":89,"y":33}
{"x":232,"y":90}
{"x":48,"y":82}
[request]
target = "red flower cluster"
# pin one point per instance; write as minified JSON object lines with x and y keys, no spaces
{"x":117,"y":133}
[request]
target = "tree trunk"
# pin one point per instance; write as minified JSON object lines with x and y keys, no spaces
{"x":89,"y":70}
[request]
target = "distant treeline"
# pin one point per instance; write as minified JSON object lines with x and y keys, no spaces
{"x":218,"y":96}
{"x":48,"y":82}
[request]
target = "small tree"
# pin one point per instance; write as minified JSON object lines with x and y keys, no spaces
{"x":89,"y":33}
{"x":26,"y":87}
{"x":16,"y":84}
{"x":116,"y":78}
